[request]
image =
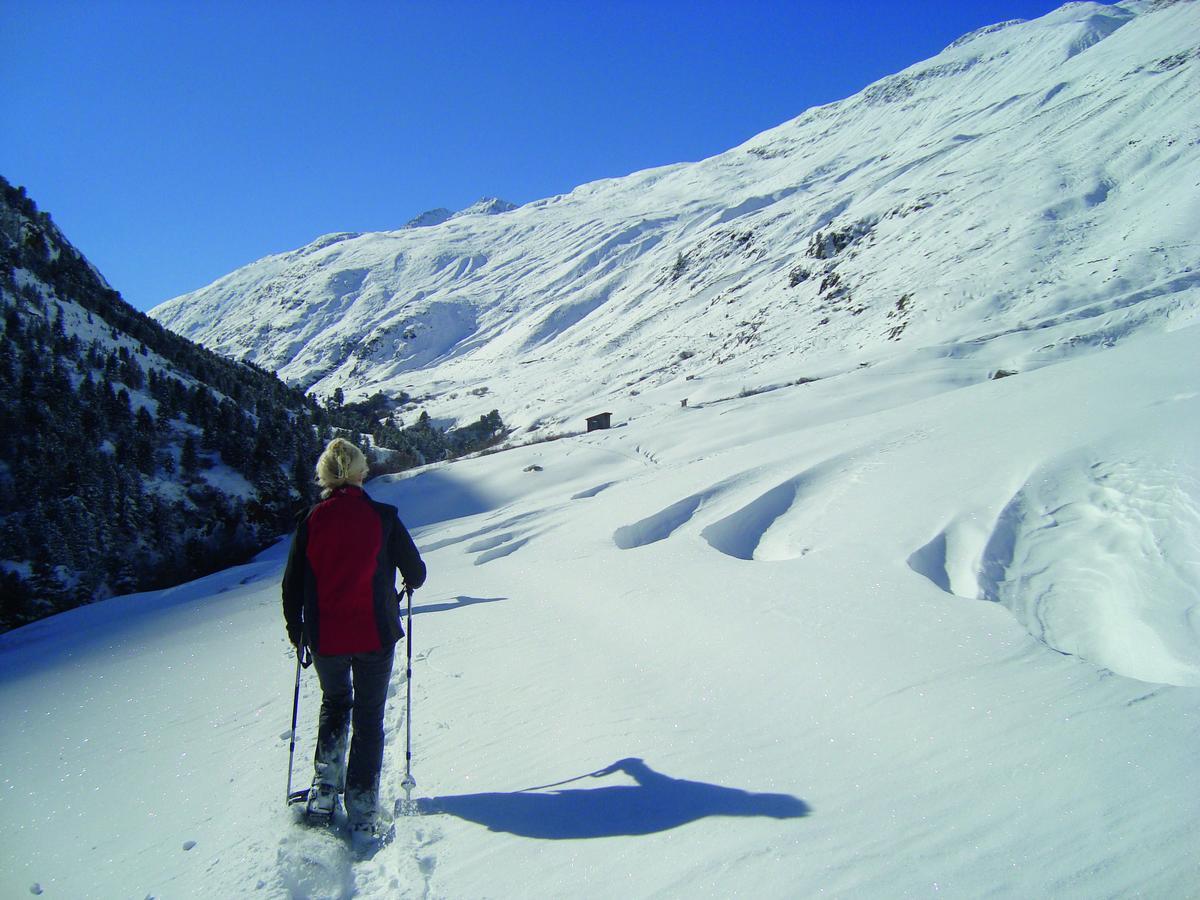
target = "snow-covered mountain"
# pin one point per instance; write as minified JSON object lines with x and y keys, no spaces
{"x":1035,"y":176}
{"x":486,"y":206}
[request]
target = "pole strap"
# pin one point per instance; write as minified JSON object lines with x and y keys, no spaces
{"x":542,"y":787}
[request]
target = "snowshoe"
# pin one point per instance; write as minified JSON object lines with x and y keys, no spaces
{"x":298,"y":798}
{"x":322,"y":798}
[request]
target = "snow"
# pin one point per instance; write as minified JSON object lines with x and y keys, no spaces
{"x":1035,"y":176}
{"x":877,"y":635}
{"x":860,"y":620}
{"x":227,"y":480}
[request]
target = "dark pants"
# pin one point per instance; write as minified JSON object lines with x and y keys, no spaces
{"x":354,"y":687}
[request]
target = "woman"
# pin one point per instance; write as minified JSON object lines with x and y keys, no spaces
{"x":340,"y":600}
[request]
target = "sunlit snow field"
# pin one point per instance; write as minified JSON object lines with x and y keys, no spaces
{"x":898,"y":632}
{"x":860,"y":619}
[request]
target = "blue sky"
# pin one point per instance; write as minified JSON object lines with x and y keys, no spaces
{"x":175,"y":141}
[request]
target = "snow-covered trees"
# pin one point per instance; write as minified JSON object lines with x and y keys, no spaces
{"x":127,"y":454}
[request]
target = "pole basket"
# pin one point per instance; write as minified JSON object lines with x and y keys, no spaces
{"x":406,"y":805}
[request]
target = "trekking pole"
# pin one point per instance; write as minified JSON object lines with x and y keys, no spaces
{"x":541,"y":787}
{"x":297,"y":796}
{"x":408,"y":808}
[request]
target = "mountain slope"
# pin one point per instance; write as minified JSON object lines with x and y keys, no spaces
{"x":1033,"y":176}
{"x":765,"y":648}
{"x":130,"y":458}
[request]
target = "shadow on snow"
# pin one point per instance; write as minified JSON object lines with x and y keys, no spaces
{"x":656,"y":803}
{"x":457,"y":603}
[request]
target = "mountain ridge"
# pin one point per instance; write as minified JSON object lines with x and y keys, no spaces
{"x":976,"y":193}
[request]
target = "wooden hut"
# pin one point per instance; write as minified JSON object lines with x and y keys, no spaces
{"x":599,"y":421}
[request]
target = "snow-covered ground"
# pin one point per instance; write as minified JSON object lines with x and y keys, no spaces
{"x":902,"y":631}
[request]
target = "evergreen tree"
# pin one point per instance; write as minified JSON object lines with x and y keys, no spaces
{"x":15,"y":600}
{"x":189,"y":459}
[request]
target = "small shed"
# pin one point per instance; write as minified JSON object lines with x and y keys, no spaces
{"x":599,"y":421}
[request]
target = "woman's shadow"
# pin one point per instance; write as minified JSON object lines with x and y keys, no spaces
{"x":656,"y":803}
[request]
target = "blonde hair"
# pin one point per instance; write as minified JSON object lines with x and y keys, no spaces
{"x":342,"y":463}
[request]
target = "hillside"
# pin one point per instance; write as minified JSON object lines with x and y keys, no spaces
{"x":1034,"y":177}
{"x":890,"y":634}
{"x":131,"y":458}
